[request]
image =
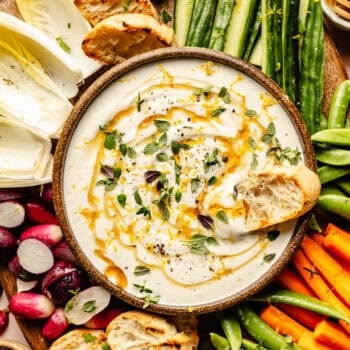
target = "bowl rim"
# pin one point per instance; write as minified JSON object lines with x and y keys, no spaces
{"x":338,"y":21}
{"x":95,"y":89}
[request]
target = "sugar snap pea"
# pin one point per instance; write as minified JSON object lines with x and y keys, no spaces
{"x":344,"y":184}
{"x":333,"y":156}
{"x":339,"y":137}
{"x":328,"y":173}
{"x":301,"y":300}
{"x":219,"y":342}
{"x":335,"y":204}
{"x":250,"y":345}
{"x":339,"y":105}
{"x":232,"y":329}
{"x":332,"y":189}
{"x":323,"y":122}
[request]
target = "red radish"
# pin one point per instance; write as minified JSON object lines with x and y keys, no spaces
{"x":19,"y":272}
{"x":50,"y":234}
{"x":35,"y":256}
{"x":63,"y":252}
{"x":47,"y":194}
{"x":61,"y":281}
{"x":4,"y":320}
{"x":37,"y":213}
{"x":12,"y":214}
{"x":31,"y":306}
{"x":11,"y":193}
{"x":25,"y":286}
{"x":7,"y":244}
{"x":86,"y":304}
{"x":55,"y":325}
{"x":103,"y":318}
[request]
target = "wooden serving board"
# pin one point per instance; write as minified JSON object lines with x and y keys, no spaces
{"x":334,"y":74}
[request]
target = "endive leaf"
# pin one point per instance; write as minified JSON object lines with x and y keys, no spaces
{"x":63,"y":23}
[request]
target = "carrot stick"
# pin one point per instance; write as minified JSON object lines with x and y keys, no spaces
{"x":335,"y":275}
{"x":318,"y":238}
{"x":332,"y":335}
{"x":318,"y":285}
{"x":285,"y":325}
{"x":290,"y":280}
{"x":307,"y":318}
{"x":337,"y":241}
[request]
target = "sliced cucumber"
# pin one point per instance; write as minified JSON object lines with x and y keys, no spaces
{"x":183,"y":16}
{"x":239,"y":26}
{"x":256,"y":55}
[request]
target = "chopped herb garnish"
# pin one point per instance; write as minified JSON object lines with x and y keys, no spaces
{"x":270,"y":133}
{"x":88,"y":338}
{"x":178,"y":196}
{"x":312,"y":271}
{"x":123,"y":148}
{"x":205,"y":91}
{"x":206,"y":221}
{"x":137,"y":198}
{"x":211,"y":160}
{"x":221,"y":215}
{"x":89,"y":306}
{"x":254,"y":163}
{"x":110,"y":141}
{"x":166,"y":17}
{"x":195,"y":183}
{"x":113,"y":174}
{"x":293,"y":156}
{"x":176,"y":146}
{"x":198,"y":244}
{"x":139,"y":102}
{"x":163,"y":209}
{"x":216,"y":112}
{"x":212,"y":181}
{"x":63,"y":45}
{"x":69,"y":25}
{"x":162,"y":125}
{"x":269,"y":257}
{"x":162,"y":157}
{"x":121,"y":198}
{"x":224,"y":94}
{"x":151,"y":148}
{"x":252,"y":143}
{"x":150,"y":300}
{"x":131,"y":153}
{"x":163,"y":140}
{"x":177,"y":168}
{"x":272,"y":235}
{"x":151,"y":176}
{"x":250,"y":113}
{"x":105,"y":346}
{"x":145,"y":211}
{"x":141,"y":270}
{"x":142,"y":288}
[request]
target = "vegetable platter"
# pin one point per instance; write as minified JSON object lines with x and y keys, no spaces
{"x":334,"y":75}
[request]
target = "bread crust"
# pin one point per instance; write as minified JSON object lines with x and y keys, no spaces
{"x":123,"y":36}
{"x":96,"y":10}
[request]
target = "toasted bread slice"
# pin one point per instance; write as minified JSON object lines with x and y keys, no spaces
{"x":80,"y":339}
{"x":138,"y":330}
{"x":278,"y":194}
{"x":96,"y":10}
{"x":123,"y":36}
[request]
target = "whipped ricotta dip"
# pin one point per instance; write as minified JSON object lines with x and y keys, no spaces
{"x":150,"y":176}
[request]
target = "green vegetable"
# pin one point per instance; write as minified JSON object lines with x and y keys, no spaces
{"x":339,"y":105}
{"x":339,"y":137}
{"x":222,"y":19}
{"x":336,"y":204}
{"x":254,"y":34}
{"x":63,"y":45}
{"x":344,"y":184}
{"x":328,"y":173}
{"x":301,"y":300}
{"x":250,"y":345}
{"x":332,"y":189}
{"x":232,"y":329}
{"x":260,"y":331}
{"x":238,"y":30}
{"x":256,"y":56}
{"x":333,"y":156}
{"x":182,"y":20}
{"x":201,"y":23}
{"x":219,"y":342}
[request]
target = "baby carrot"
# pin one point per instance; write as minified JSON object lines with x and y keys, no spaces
{"x":337,"y":241}
{"x":332,"y":335}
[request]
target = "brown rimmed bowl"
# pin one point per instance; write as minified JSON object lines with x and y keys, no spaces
{"x":73,"y":174}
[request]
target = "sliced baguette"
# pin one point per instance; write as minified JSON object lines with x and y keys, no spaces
{"x":138,"y":330}
{"x":80,"y":339}
{"x":278,"y":194}
{"x":96,"y":10}
{"x":122,"y":36}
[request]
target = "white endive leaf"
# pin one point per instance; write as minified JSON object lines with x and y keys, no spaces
{"x":25,"y":158}
{"x":28,"y":96}
{"x":58,"y":65}
{"x":63,"y":23}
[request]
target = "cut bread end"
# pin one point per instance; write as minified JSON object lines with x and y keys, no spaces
{"x":278,"y":194}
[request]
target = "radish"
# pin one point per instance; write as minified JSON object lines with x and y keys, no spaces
{"x":35,"y":256}
{"x":61,"y":281}
{"x":7,"y":244}
{"x":55,"y":325}
{"x":8,"y":193}
{"x":31,"y":306}
{"x":12,"y":214}
{"x":4,"y":320}
{"x":37,"y":213}
{"x":47,"y":194}
{"x":50,"y":234}
{"x":86,"y":304}
{"x":14,"y":266}
{"x":103,"y":318}
{"x":25,"y":286}
{"x":63,"y":252}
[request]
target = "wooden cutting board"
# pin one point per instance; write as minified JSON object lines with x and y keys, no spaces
{"x":334,"y":74}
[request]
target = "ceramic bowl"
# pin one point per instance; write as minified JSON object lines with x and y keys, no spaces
{"x":338,"y":21}
{"x":7,"y":344}
{"x":142,"y":237}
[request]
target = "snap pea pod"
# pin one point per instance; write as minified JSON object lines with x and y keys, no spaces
{"x":328,"y":173}
{"x":344,"y":185}
{"x":335,"y":204}
{"x":339,"y":105}
{"x":250,"y":345}
{"x":232,"y":329}
{"x":219,"y":342}
{"x":301,"y":300}
{"x":333,"y":156}
{"x":338,"y":137}
{"x":332,"y":189}
{"x":260,"y":330}
{"x":323,"y":122}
